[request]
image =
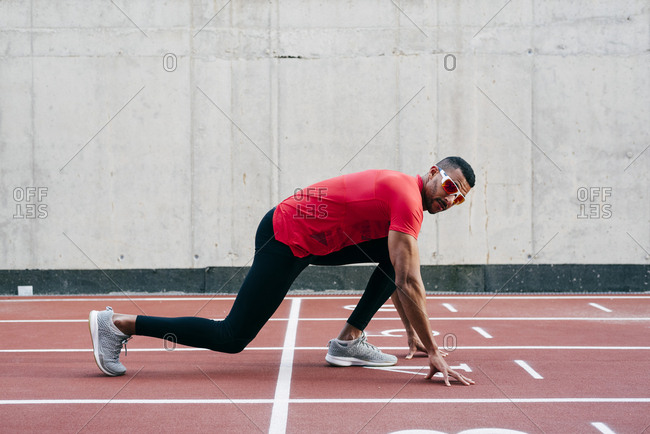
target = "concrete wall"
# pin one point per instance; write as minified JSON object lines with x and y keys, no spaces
{"x":142,"y":164}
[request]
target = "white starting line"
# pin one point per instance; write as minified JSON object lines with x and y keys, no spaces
{"x":323,"y":348}
{"x":216,"y":297}
{"x":469,"y":318}
{"x":449,"y":307}
{"x":528,"y":369}
{"x":602,"y":428}
{"x":482,"y":332}
{"x":641,"y":400}
{"x":418,"y":370}
{"x":603,"y":308}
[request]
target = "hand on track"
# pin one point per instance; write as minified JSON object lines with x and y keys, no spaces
{"x":437,"y":364}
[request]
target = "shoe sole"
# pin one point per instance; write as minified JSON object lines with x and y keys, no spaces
{"x":94,"y":337}
{"x":353,"y":361}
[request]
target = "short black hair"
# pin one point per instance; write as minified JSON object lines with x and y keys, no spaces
{"x":451,"y":163}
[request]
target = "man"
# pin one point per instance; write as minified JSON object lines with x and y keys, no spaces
{"x":370,"y":216}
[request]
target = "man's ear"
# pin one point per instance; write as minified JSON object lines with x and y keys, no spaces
{"x":434,"y":170}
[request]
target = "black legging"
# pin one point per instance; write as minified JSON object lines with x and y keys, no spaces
{"x":273,"y":271}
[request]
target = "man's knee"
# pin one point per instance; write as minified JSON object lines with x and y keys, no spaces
{"x":237,"y":346}
{"x":231,"y":346}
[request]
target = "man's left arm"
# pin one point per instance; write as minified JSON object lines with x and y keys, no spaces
{"x":414,"y":343}
{"x":404,"y":255}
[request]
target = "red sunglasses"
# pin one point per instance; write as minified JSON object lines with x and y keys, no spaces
{"x":450,"y":187}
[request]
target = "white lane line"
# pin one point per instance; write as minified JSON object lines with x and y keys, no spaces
{"x":601,"y":319}
{"x":490,"y":318}
{"x":341,"y":297}
{"x":597,"y":306}
{"x":280,"y":410}
{"x":528,"y":369}
{"x":322,"y":348}
{"x":132,"y":401}
{"x":331,"y":401}
{"x":482,"y":332}
{"x":449,"y":307}
{"x":40,"y":320}
{"x":109,"y":299}
{"x":602,"y":428}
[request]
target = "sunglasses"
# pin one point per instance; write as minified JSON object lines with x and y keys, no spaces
{"x":450,"y":187}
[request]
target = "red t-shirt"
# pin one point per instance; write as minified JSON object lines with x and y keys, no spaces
{"x":349,"y":209}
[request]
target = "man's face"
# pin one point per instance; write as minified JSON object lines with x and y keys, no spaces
{"x":434,"y":198}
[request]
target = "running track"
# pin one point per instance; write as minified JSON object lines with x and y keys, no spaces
{"x":552,"y":364}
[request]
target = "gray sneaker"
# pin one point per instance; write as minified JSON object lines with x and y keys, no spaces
{"x":357,"y":353}
{"x":107,"y":342}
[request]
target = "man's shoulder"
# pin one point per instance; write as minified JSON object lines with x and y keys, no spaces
{"x":394,"y":180}
{"x":386,"y":185}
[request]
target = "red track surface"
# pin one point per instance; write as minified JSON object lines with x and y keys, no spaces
{"x":595,"y":367}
